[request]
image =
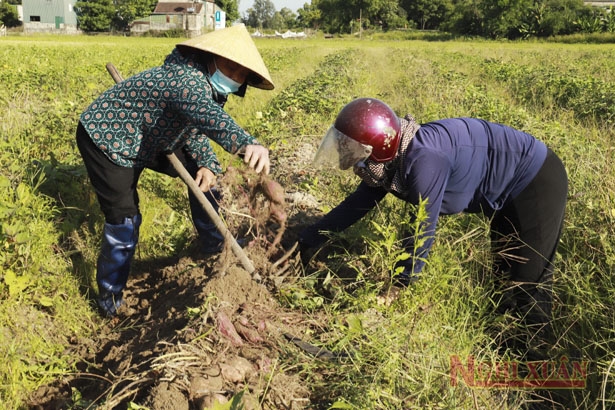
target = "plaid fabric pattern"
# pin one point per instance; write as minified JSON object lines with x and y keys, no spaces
{"x":389,"y":175}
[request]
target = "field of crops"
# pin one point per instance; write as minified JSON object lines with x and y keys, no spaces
{"x":385,"y":356}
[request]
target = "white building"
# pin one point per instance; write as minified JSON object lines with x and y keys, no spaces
{"x":193,"y":17}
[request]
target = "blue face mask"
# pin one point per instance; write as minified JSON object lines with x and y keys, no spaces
{"x":223,"y":84}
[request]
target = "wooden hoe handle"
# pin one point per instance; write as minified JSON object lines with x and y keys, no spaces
{"x":209,"y":209}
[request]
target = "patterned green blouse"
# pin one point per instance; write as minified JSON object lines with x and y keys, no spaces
{"x":160,"y":110}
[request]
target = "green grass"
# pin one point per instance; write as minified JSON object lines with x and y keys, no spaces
{"x":400,"y":355}
{"x":584,"y":38}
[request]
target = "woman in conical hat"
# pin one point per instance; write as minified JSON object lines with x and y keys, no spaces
{"x":176,"y":107}
{"x":235,"y":45}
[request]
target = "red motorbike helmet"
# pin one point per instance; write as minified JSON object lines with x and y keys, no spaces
{"x":364,"y":128}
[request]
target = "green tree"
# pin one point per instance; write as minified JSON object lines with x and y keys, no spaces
{"x":260,"y":14}
{"x":609,"y":20}
{"x":309,"y":15}
{"x":466,"y":17}
{"x":589,"y":23}
{"x":488,"y":18}
{"x":519,"y":18}
{"x":560,"y":16}
{"x":288,"y":17}
{"x":126,"y":11}
{"x":231,"y":8}
{"x":8,"y":15}
{"x":95,"y":15}
{"x":283,"y":19}
{"x":250,"y":19}
{"x":277,"y":21}
{"x":427,"y":14}
{"x":334,"y":17}
{"x":341,"y":15}
{"x":387,"y":14}
{"x":503,"y":18}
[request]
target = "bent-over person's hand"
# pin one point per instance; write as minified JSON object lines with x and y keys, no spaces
{"x":205,"y":179}
{"x":257,"y":157}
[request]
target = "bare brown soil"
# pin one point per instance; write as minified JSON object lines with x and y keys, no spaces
{"x":187,"y":336}
{"x":195,"y":331}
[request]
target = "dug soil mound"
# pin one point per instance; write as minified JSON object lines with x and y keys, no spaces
{"x":199,"y":330}
{"x":188,"y":335}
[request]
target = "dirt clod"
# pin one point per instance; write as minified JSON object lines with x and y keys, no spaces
{"x":237,"y":369}
{"x":166,"y":396}
{"x":210,"y":382}
{"x":210,"y":401}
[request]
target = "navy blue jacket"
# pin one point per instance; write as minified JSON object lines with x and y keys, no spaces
{"x":458,"y":165}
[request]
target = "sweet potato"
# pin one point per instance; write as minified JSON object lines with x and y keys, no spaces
{"x":248,"y":332}
{"x":278,"y":213}
{"x":272,"y":190}
{"x":225,"y":326}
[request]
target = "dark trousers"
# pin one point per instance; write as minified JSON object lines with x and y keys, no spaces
{"x":525,"y":234}
{"x":116,"y":186}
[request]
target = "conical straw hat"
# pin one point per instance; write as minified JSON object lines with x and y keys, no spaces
{"x":234,"y":43}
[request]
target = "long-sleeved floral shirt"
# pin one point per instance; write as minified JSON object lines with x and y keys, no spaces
{"x":160,"y":110}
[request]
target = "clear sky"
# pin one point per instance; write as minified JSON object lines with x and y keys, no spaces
{"x":291,"y":4}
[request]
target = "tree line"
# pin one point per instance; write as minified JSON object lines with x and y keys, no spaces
{"x":487,"y":18}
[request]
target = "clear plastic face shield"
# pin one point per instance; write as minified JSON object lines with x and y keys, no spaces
{"x":337,"y":149}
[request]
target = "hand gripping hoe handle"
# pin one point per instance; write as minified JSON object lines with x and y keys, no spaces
{"x":211,"y":212}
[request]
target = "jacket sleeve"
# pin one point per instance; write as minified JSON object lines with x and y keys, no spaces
{"x":353,"y":208}
{"x":427,"y":177}
{"x":210,"y":160}
{"x":208,"y":120}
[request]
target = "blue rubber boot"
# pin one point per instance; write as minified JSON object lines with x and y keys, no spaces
{"x":211,"y":239}
{"x":118,"y":247}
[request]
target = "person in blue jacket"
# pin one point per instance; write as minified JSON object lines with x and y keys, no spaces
{"x":456,"y":165}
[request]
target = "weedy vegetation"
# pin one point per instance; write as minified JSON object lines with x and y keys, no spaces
{"x":389,"y":355}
